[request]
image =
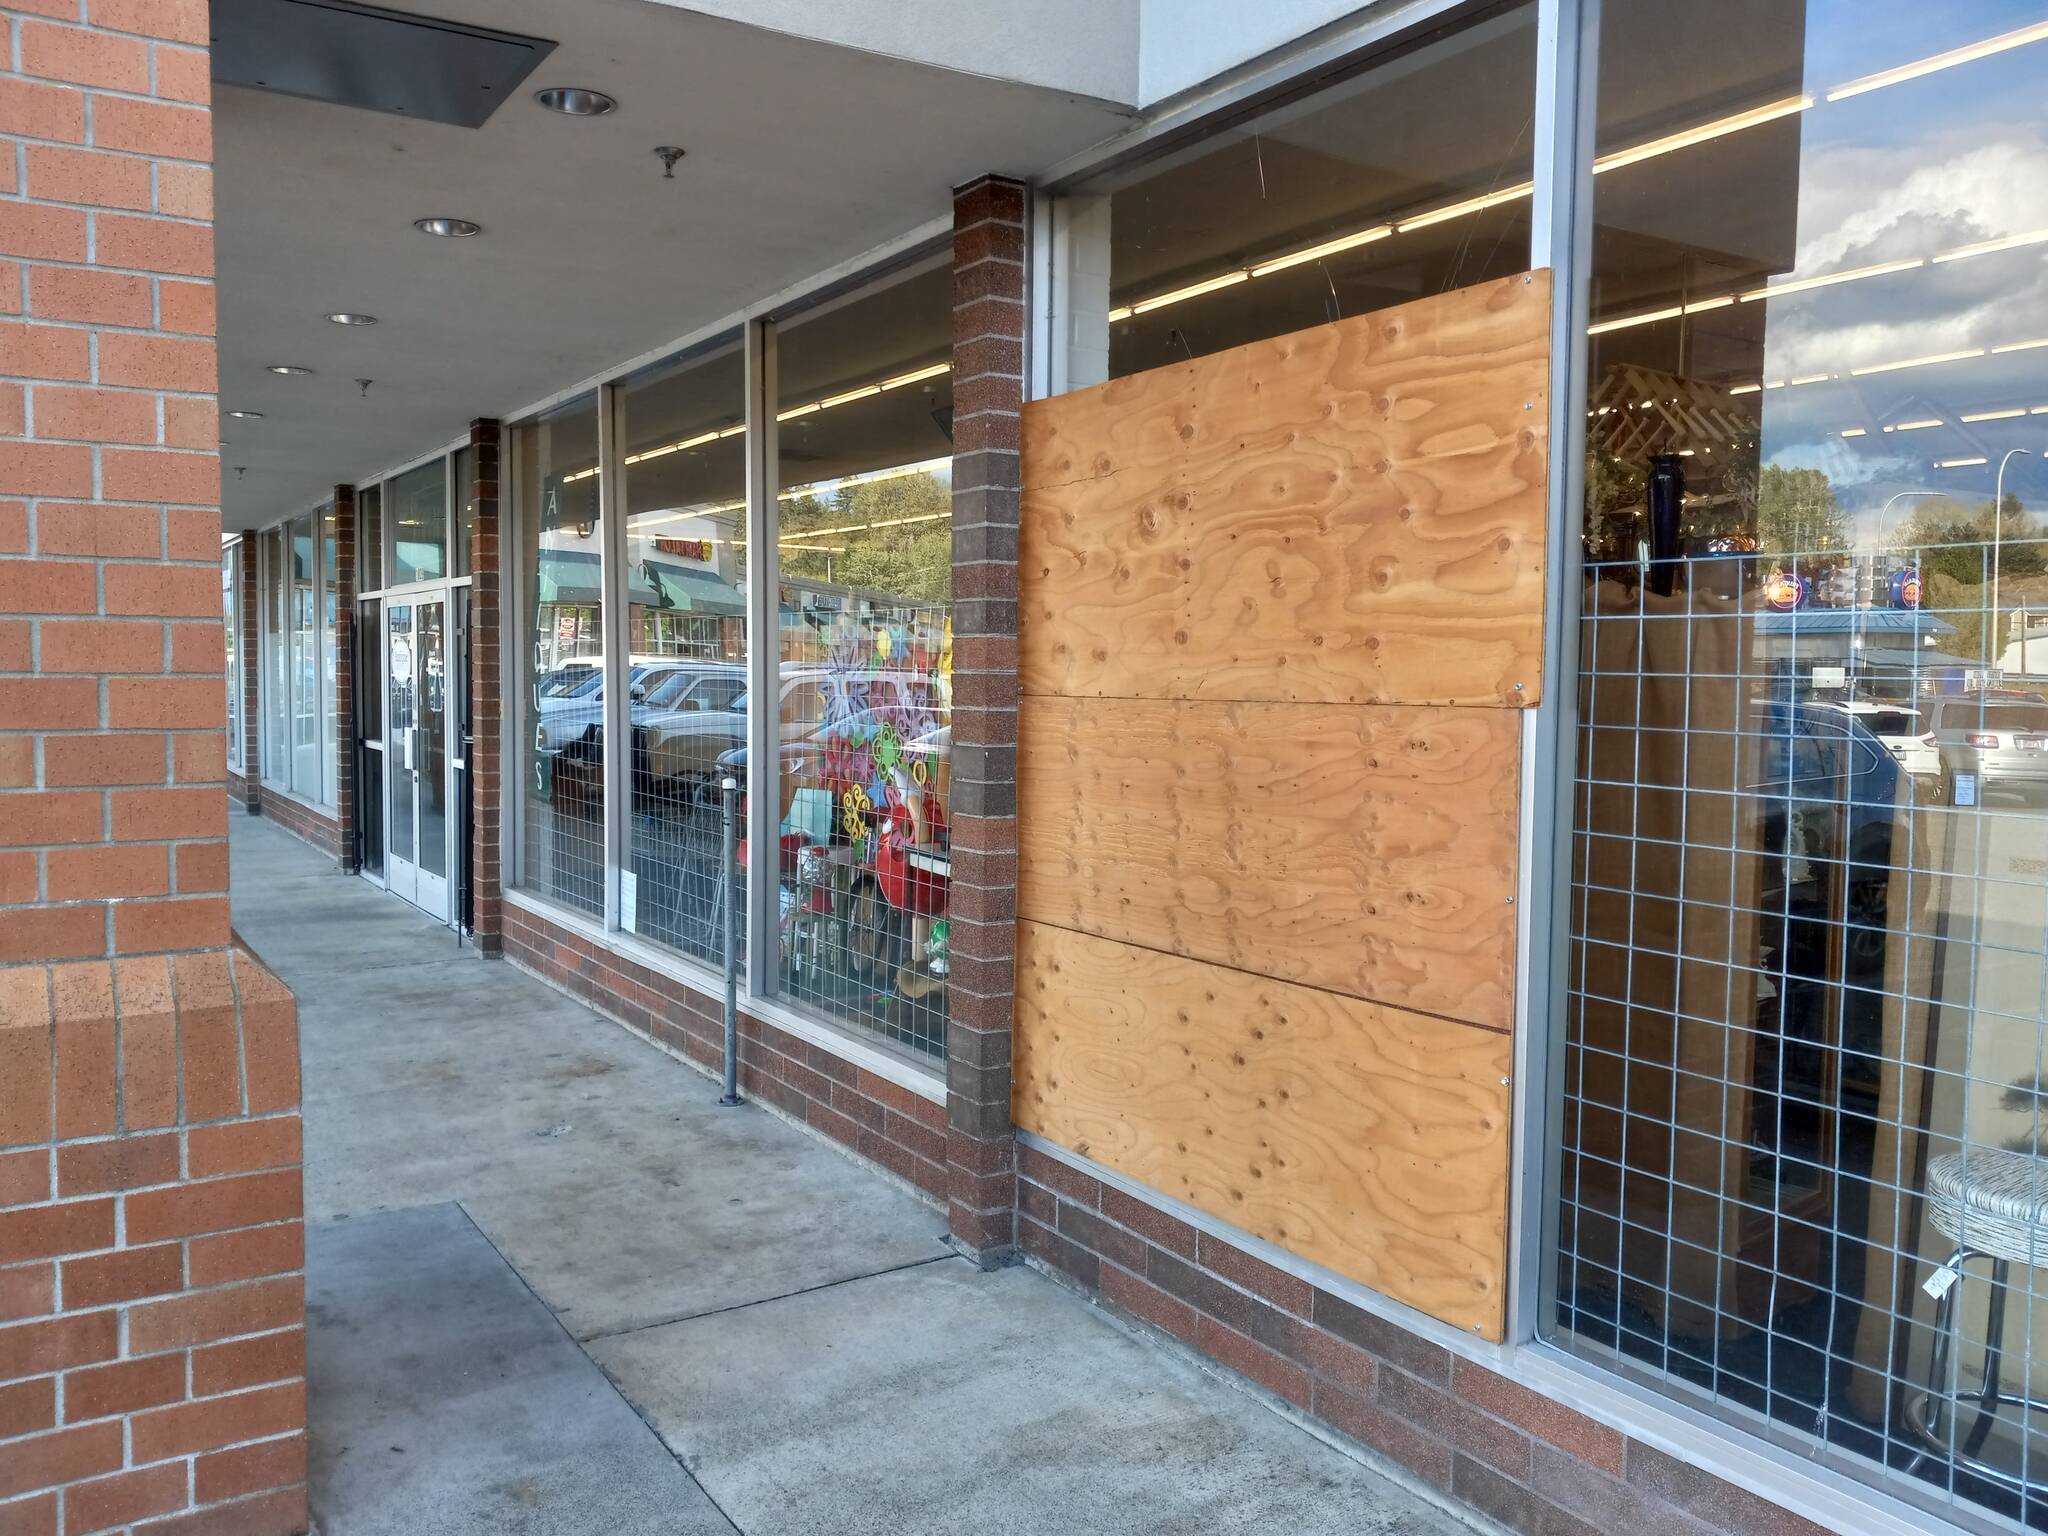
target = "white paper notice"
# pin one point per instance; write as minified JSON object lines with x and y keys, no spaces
{"x":1966,"y":789}
{"x":1830,"y":677}
{"x":629,"y":901}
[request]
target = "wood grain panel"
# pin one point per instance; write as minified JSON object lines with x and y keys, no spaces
{"x":1369,"y":851}
{"x":1363,"y":1138}
{"x":1349,"y":514}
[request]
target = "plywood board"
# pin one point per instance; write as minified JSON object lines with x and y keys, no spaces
{"x":1369,"y":851}
{"x":1366,"y":1139}
{"x":1349,"y":514}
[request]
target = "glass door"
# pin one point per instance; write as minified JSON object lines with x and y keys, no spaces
{"x":417,"y":766}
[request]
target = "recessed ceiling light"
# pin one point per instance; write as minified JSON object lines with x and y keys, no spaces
{"x":287,"y":370}
{"x":246,"y":415}
{"x":449,"y":229}
{"x":575,"y":100}
{"x":348,"y":317}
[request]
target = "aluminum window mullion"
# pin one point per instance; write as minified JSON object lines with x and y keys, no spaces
{"x":618,"y":704}
{"x":764,"y":670}
{"x":1567,"y":56}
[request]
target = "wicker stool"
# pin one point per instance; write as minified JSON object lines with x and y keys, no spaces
{"x":1992,"y":1205}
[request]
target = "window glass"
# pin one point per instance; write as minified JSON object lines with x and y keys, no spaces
{"x":276,"y":657}
{"x":330,"y":746}
{"x":864,"y":712}
{"x":369,"y":691}
{"x":1805,"y":1019}
{"x":303,"y":614}
{"x":419,"y":523}
{"x":230,"y":567}
{"x":370,"y":538}
{"x":561,"y":575}
{"x":685,"y":498}
{"x":1410,"y":178}
{"x":465,"y":510}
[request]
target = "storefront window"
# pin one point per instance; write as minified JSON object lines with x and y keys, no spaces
{"x":276,"y":657}
{"x":864,"y":535}
{"x":1805,"y":1026}
{"x":330,"y":747}
{"x":419,"y":523}
{"x":464,"y":499}
{"x":561,"y":641}
{"x":683,"y":432}
{"x":1409,"y":179}
{"x":302,"y":612}
{"x":231,"y":620}
{"x":370,"y":538}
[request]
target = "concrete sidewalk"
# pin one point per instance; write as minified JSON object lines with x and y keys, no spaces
{"x":554,"y":1288}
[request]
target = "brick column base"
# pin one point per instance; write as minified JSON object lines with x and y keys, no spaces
{"x":152,"y":1299}
{"x":989,"y":318}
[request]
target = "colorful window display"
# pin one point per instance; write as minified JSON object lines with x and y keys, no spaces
{"x":864,"y":542}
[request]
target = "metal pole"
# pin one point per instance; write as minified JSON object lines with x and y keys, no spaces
{"x":727,"y":884}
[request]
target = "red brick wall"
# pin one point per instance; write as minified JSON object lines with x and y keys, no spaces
{"x":151,"y":1300}
{"x":989,"y":323}
{"x":314,"y":823}
{"x":1522,"y":1459}
{"x":882,"y":1121}
{"x":152,"y":1344}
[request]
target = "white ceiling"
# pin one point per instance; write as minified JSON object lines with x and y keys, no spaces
{"x":801,"y":155}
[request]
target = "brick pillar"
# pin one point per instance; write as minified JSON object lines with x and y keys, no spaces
{"x":345,"y":673}
{"x":252,"y":674}
{"x":486,"y":710}
{"x":989,"y":317}
{"x":151,"y":1287}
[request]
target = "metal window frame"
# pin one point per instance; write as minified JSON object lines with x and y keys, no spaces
{"x":1567,"y":62}
{"x":762,"y":971}
{"x":617,"y":665}
{"x":231,"y":582}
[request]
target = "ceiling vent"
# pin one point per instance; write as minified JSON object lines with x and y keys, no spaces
{"x":360,"y":56}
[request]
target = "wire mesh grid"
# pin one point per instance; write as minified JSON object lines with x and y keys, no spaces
{"x":689,"y":734}
{"x":1807,"y":986}
{"x":563,"y":806}
{"x":865,"y":842}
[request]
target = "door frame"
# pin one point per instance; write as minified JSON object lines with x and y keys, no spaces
{"x":431,"y":892}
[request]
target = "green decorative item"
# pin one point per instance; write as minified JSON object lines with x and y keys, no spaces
{"x":888,"y":749}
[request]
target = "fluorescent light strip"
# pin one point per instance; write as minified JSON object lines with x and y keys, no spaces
{"x":1349,"y":242}
{"x":1855,"y":432}
{"x":915,"y":376}
{"x":1193,"y":290}
{"x":1854,"y":274}
{"x":1700,"y":135}
{"x":1469,"y":205}
{"x":1635,"y":155}
{"x":1975,"y":416}
{"x":2019,"y":346}
{"x":1959,"y":463}
{"x":1989,"y":247}
{"x":1747,"y":389}
{"x":1915,"y":362}
{"x":1940,"y":61}
{"x":1916,"y":426}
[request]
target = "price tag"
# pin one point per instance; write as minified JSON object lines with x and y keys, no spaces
{"x":629,"y":901}
{"x":1942,"y":1281}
